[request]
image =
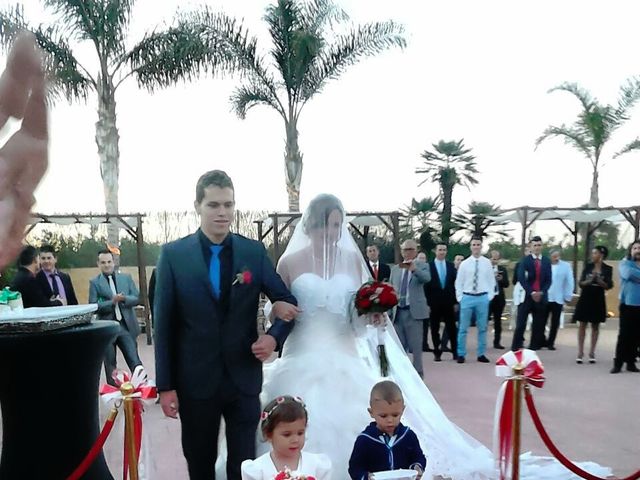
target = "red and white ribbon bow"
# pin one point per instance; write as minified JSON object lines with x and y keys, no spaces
{"x":138,"y":387}
{"x":143,"y":388}
{"x":533,"y":374}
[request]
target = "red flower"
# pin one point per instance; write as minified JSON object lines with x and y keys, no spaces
{"x":281,"y":476}
{"x":375,"y":297}
{"x":246,"y":277}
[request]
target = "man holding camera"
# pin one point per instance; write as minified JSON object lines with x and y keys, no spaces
{"x":408,"y":279}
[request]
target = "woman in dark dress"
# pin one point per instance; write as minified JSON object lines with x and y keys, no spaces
{"x":596,"y":277}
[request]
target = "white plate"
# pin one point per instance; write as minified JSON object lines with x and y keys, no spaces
{"x":39,"y":314}
{"x":402,"y":474}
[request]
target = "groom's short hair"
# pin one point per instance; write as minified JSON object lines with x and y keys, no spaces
{"x":387,"y":391}
{"x":213,"y":178}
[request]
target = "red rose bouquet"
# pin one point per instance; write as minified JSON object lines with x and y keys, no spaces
{"x":287,"y":475}
{"x":373,"y":299}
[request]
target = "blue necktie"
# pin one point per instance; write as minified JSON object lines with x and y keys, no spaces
{"x":442,"y":272}
{"x":214,"y":269}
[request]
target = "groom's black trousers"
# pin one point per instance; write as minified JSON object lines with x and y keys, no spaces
{"x":200,"y":420}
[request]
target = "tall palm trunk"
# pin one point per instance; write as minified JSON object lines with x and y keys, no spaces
{"x":594,"y":201}
{"x":293,"y":166}
{"x":107,"y":139}
{"x":447,"y":196}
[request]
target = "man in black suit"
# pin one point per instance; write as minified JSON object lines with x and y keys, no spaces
{"x":496,"y":306}
{"x":534,"y":274}
{"x":25,"y":281}
{"x":441,"y":296}
{"x":52,"y":281}
{"x":379,"y":271}
{"x":208,"y":352}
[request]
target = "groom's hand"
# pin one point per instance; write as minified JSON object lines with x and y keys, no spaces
{"x":285,"y":311}
{"x":169,"y":403}
{"x":264,"y":347}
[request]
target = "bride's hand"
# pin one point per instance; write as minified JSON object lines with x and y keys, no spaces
{"x":285,"y":311}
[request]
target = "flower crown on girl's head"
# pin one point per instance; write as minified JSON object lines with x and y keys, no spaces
{"x":266,"y":413}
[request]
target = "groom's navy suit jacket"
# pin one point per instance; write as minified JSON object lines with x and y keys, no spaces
{"x":199,"y":338}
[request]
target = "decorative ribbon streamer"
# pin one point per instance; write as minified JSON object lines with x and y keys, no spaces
{"x":136,"y":387}
{"x":533,"y":374}
{"x":554,"y":450}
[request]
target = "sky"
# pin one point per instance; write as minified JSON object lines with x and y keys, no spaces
{"x":473,"y":70}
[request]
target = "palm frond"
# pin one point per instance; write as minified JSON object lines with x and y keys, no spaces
{"x":64,"y":74}
{"x":220,"y":31}
{"x":635,"y":145}
{"x":80,"y":18}
{"x":246,"y":97}
{"x":627,"y":99}
{"x":294,"y":47}
{"x":570,"y":136}
{"x":363,"y":41}
{"x":200,"y":42}
{"x":318,"y":14}
{"x":580,"y":93}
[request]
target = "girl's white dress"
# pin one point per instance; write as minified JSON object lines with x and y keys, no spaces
{"x":262,"y":468}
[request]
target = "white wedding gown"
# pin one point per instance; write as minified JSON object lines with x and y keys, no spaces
{"x":331,"y":363}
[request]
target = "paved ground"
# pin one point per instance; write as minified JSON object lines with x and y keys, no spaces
{"x":589,"y":413}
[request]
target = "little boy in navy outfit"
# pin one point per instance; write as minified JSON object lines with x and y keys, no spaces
{"x":386,"y":444}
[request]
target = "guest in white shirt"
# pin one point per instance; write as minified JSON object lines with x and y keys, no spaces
{"x":559,"y":293}
{"x":475,"y":287}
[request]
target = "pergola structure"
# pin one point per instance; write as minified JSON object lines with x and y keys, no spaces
{"x":130,"y":223}
{"x":592,"y":217}
{"x":361,"y":223}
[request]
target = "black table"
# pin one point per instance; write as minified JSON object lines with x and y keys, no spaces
{"x":49,"y":385}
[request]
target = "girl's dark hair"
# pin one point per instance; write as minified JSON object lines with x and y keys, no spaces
{"x":281,"y":409}
{"x":319,"y":210}
{"x":604,"y":251}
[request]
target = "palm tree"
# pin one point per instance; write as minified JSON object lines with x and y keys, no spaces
{"x":450,"y":164}
{"x":476,"y":219}
{"x":594,"y":126}
{"x":159,"y":59}
{"x":307,"y":51}
{"x":420,"y":220}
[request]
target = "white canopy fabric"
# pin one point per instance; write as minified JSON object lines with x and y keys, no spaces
{"x":586,"y":215}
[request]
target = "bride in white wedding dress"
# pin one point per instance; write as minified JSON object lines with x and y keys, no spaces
{"x":330,"y":360}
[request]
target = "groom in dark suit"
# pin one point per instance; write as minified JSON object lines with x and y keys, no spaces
{"x":441,"y":297}
{"x":534,"y":274}
{"x":208,"y":352}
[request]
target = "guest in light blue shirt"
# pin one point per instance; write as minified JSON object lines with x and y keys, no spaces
{"x":629,"y":332}
{"x":559,"y":293}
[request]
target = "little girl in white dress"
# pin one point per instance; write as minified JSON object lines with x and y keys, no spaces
{"x":283,"y":424}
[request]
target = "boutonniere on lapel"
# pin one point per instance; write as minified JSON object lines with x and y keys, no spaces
{"x":242,"y":278}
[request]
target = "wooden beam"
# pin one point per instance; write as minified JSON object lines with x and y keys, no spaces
{"x":142,"y":279}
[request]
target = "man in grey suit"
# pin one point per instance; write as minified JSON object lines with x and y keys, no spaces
{"x":116,"y":294}
{"x":408,"y":278}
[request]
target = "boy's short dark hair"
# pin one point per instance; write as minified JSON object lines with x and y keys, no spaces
{"x":48,"y":249}
{"x":476,"y":237}
{"x":536,"y":239}
{"x":386,"y":390}
{"x":213,"y":178}
{"x":27,"y":256}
